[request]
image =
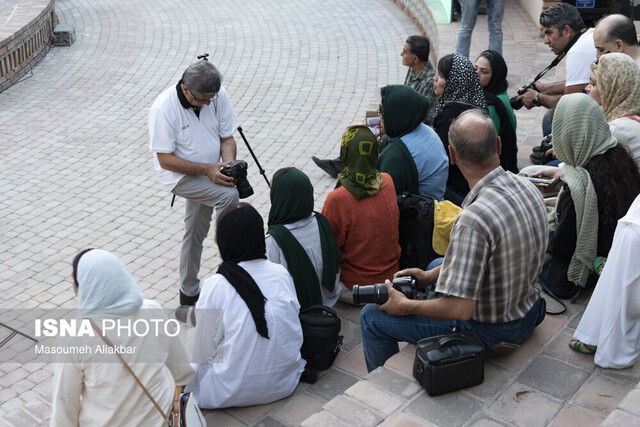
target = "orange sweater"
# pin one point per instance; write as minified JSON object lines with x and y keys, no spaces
{"x":367,"y":233}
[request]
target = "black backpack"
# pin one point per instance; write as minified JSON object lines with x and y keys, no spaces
{"x":416,"y":230}
{"x":320,"y":331}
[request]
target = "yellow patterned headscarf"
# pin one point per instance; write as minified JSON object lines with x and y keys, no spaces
{"x":618,"y":80}
{"x":358,"y":155}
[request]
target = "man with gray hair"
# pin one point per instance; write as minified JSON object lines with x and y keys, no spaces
{"x":616,"y":33}
{"x":191,"y":128}
{"x":490,"y":270}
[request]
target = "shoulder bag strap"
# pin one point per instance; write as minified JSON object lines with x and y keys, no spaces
{"x":632,"y":118}
{"x":561,"y":55}
{"x":126,"y":365}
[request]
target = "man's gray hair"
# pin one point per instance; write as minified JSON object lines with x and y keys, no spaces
{"x":202,"y":77}
{"x":473,"y":145}
{"x":560,"y":14}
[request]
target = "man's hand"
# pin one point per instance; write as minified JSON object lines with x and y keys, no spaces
{"x":214,"y":174}
{"x":527,"y":98}
{"x":423,"y":278}
{"x":397,"y":303}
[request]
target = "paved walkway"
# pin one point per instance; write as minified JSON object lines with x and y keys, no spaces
{"x":76,"y":173}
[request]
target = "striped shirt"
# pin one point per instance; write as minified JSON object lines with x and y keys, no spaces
{"x":497,"y":248}
{"x":423,"y":84}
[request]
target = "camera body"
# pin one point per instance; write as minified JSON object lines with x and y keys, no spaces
{"x":378,"y":293}
{"x":238,"y":170}
{"x":516,"y":104}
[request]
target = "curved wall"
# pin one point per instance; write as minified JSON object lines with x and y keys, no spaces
{"x":26,"y":37}
{"x":419,"y":12}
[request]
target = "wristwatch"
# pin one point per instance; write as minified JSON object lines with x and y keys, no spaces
{"x":536,"y":100}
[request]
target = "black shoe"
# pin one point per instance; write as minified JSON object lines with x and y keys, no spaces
{"x":331,"y":166}
{"x":540,"y":158}
{"x":183,"y":311}
{"x":309,"y":375}
{"x":187,"y":300}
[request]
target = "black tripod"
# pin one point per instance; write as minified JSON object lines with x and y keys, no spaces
{"x":262,"y":172}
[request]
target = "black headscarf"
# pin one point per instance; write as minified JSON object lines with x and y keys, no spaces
{"x":240,"y":237}
{"x":497,"y":85}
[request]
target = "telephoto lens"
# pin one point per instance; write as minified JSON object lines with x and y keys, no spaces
{"x":376,"y":294}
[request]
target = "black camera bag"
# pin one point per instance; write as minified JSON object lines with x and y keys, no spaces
{"x":320,"y":331}
{"x":416,"y":230}
{"x":449,"y":362}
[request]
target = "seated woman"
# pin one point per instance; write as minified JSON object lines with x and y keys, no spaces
{"x":615,"y":85}
{"x":492,"y":71}
{"x":590,"y":202}
{"x":610,"y":325}
{"x":302,"y":240}
{"x":413,"y":156}
{"x":247,"y":339}
{"x":97,"y":389}
{"x":363,"y":213}
{"x":459,"y":88}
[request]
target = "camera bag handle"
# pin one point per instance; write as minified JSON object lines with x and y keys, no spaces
{"x":560,"y":56}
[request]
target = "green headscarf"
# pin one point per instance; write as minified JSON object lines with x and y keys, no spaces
{"x":291,"y":201}
{"x":580,"y":132}
{"x":403,"y":109}
{"x":358,"y":155}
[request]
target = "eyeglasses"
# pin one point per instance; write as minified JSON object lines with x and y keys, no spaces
{"x":205,"y":100}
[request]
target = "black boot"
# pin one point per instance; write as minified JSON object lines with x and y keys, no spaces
{"x":331,"y":166}
{"x":187,"y":300}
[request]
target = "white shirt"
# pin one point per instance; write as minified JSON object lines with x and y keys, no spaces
{"x":235,"y":366}
{"x":307,"y":233}
{"x":579,"y":60}
{"x":627,"y":132}
{"x":175,"y":129}
{"x":610,"y":321}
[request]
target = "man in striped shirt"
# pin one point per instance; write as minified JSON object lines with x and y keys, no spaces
{"x":491,"y":266}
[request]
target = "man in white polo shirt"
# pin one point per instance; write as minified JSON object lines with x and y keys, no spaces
{"x":191,"y":128}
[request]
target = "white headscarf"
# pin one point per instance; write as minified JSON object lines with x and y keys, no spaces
{"x":106,"y":288}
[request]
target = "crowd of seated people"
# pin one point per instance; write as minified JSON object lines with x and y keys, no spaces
{"x":245,"y":334}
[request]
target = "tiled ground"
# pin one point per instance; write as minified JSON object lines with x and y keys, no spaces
{"x":76,"y":172}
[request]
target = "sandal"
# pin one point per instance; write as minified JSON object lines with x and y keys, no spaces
{"x":580,"y":347}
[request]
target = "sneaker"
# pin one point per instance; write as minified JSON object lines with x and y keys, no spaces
{"x":331,"y":166}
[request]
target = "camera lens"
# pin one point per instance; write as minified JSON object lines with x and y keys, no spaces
{"x":244,"y":188}
{"x":516,"y":104}
{"x":376,"y":294}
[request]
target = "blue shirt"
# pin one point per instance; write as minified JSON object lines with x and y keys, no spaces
{"x":432,"y":162}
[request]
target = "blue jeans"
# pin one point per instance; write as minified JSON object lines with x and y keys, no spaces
{"x":382,"y":332}
{"x":495,"y":12}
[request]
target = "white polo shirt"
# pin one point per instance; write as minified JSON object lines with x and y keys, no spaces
{"x":175,"y":129}
{"x":579,"y":60}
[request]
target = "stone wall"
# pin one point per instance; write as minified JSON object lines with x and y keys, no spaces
{"x":22,"y":49}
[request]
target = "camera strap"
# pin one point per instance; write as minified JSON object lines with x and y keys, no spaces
{"x":561,"y":55}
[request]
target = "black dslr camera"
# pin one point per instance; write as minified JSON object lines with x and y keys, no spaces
{"x":516,"y":104}
{"x":378,"y":294}
{"x":238,"y":170}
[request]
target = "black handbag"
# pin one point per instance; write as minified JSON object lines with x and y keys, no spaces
{"x":321,"y":334}
{"x":449,"y":362}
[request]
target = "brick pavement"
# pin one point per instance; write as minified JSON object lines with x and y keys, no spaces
{"x":76,"y":173}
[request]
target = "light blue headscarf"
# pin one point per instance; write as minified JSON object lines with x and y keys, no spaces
{"x":106,"y":288}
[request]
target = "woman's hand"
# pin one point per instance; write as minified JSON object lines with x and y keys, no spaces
{"x":548,"y":172}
